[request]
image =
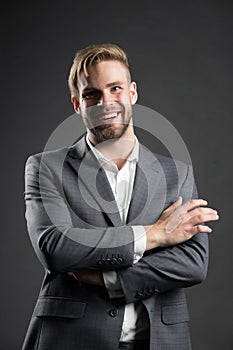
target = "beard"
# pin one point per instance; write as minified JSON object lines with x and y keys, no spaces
{"x":104,"y":131}
{"x":108,"y":133}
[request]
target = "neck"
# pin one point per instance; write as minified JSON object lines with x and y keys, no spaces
{"x":116,"y":150}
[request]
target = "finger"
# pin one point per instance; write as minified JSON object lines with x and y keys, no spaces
{"x":193,"y":203}
{"x":201,"y":212}
{"x":190,"y":206}
{"x":200,"y":229}
{"x":199,"y":219}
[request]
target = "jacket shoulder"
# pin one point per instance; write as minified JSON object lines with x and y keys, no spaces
{"x":47,"y":156}
{"x":173,"y":166}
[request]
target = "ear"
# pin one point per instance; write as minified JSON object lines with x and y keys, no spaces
{"x":133,"y":92}
{"x":76,"y":104}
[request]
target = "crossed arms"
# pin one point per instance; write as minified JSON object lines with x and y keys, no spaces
{"x":176,"y":254}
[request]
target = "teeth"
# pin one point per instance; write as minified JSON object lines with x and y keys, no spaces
{"x":109,"y":116}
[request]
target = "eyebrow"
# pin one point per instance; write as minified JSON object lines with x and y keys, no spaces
{"x":118,"y":82}
{"x":114,"y":83}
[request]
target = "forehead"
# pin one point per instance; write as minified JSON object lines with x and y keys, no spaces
{"x":104,"y":73}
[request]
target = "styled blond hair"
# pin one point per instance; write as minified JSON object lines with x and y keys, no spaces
{"x":91,"y":55}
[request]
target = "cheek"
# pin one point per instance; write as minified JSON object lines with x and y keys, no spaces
{"x":125,"y":98}
{"x":84,"y":105}
{"x":90,"y":103}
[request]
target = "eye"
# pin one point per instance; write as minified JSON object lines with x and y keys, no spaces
{"x":116,"y":88}
{"x":90,"y":95}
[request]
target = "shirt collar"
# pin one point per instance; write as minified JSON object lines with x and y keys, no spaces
{"x":134,"y":155}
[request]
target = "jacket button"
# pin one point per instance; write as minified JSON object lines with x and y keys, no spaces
{"x":147,"y":293}
{"x":114,"y":261}
{"x":139,"y":295}
{"x":113,"y":312}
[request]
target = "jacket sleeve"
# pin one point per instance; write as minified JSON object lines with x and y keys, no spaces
{"x":60,"y":246}
{"x":166,"y":269}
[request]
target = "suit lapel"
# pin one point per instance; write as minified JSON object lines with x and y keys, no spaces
{"x":92,"y":178}
{"x":148,"y":178}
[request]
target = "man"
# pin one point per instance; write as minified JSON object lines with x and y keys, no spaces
{"x":106,"y":220}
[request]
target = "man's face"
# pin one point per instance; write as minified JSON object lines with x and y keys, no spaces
{"x":105,"y":100}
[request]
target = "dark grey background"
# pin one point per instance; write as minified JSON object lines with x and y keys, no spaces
{"x":181,"y":55}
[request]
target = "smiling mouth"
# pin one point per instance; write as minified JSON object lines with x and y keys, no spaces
{"x":109,"y":116}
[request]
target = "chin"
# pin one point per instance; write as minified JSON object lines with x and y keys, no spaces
{"x":108,"y":133}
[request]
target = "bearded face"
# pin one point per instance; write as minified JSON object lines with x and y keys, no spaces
{"x":105,"y":100}
{"x":108,"y":122}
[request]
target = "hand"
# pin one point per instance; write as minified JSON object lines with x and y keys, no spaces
{"x":178,"y":223}
{"x":88,"y":276}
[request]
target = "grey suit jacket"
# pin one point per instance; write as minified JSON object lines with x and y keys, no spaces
{"x":73,"y":223}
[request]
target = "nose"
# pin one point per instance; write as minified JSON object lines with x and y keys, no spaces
{"x":105,"y":99}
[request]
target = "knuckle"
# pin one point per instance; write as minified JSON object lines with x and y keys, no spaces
{"x":188,"y":231}
{"x":201,"y":218}
{"x":199,"y":228}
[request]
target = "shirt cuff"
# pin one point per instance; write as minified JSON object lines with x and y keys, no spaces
{"x":139,"y":242}
{"x":112,"y":284}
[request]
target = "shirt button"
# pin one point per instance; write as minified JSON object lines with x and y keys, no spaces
{"x":113,"y":312}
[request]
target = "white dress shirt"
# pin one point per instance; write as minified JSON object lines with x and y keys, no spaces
{"x":121,"y":182}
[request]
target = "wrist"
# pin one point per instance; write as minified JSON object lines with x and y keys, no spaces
{"x":152,"y":237}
